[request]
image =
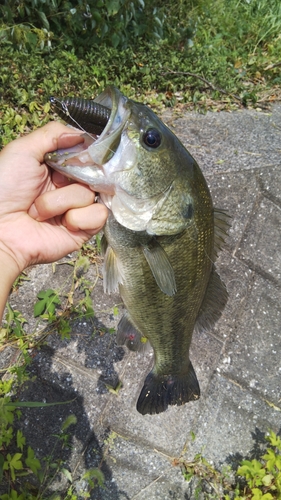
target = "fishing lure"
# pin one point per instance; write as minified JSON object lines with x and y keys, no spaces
{"x":88,"y":115}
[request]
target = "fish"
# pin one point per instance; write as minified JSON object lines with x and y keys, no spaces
{"x":160,"y":241}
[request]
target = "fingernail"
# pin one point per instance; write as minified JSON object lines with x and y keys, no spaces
{"x":32,"y":212}
{"x":72,"y":133}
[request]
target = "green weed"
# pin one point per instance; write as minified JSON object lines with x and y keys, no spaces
{"x":27,"y":477}
{"x":22,"y":470}
{"x":211,"y":55}
{"x":253,"y":480}
{"x":68,"y":23}
{"x":46,"y":305}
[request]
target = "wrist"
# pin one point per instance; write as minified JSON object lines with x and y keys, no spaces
{"x":9,"y":271}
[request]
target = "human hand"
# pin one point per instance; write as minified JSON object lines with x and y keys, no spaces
{"x":43,"y":215}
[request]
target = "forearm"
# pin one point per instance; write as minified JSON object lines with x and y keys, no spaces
{"x":8,"y":273}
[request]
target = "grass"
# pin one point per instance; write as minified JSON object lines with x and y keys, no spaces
{"x":215,"y":55}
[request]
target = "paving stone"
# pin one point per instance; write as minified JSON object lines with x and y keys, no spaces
{"x":270,"y":181}
{"x":236,"y":194}
{"x":258,"y":246}
{"x":232,"y":424}
{"x":238,"y":278}
{"x":230,"y":141}
{"x":253,"y":353}
{"x":143,"y":473}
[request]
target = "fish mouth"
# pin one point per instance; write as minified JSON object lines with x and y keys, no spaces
{"x":85,"y":161}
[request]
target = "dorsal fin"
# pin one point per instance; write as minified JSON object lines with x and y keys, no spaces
{"x":161,"y":268}
{"x":222,"y":224}
{"x":213,"y":303}
{"x":129,"y":336}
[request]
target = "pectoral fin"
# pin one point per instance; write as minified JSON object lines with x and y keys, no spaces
{"x":160,"y":267}
{"x":103,"y":245}
{"x":111,"y":272}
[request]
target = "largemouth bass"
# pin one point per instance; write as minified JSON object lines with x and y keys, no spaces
{"x":160,"y":240}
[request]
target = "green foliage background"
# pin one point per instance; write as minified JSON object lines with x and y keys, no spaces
{"x":200,"y":53}
{"x":79,"y":23}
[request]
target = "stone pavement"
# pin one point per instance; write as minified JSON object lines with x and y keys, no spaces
{"x":238,"y":364}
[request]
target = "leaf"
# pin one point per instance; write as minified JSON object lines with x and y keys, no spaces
{"x":31,"y":461}
{"x":39,"y":308}
{"x":12,"y":496}
{"x":112,"y":7}
{"x":44,"y":20}
{"x":47,"y":301}
{"x":157,"y":21}
{"x":82,"y":262}
{"x":115,"y":390}
{"x":193,"y":436}
{"x":3,"y":333}
{"x":20,"y":440}
{"x":270,"y":458}
{"x":43,"y":294}
{"x":94,"y":474}
{"x":274,"y":440}
{"x":13,"y":463}
{"x":67,"y":474}
{"x":115,"y":39}
{"x":16,"y":462}
{"x":47,"y":107}
{"x":70,"y":420}
{"x":33,"y":106}
{"x":243,"y":470}
{"x":267,"y":479}
{"x":257,"y":494}
{"x":278,"y":462}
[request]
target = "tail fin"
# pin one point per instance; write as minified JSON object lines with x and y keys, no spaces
{"x":159,"y":391}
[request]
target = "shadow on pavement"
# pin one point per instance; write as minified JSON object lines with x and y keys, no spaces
{"x":85,"y":448}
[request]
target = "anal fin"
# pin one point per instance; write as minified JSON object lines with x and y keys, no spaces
{"x":129,"y":336}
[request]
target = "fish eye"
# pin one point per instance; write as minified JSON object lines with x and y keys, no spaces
{"x":152,"y":138}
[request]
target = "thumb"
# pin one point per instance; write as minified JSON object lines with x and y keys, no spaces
{"x":48,"y":138}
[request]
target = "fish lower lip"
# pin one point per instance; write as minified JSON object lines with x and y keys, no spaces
{"x":69,"y":156}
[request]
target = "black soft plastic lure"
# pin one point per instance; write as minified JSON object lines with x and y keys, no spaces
{"x":88,"y":115}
